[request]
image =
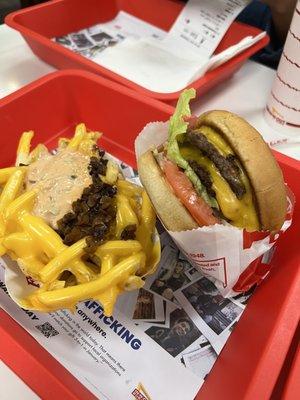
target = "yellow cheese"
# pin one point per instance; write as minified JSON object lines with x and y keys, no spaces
{"x":24,"y":148}
{"x":241,"y":213}
{"x":41,"y":253}
{"x":217,"y":140}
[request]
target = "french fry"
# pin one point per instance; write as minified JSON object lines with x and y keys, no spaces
{"x":63,"y":143}
{"x":80,"y":134}
{"x":112,"y":173}
{"x":147,"y":224}
{"x":6,"y":173}
{"x":108,"y":298}
{"x":66,"y":297}
{"x":41,"y":253}
{"x":125,"y":214}
{"x":128,"y":189}
{"x":142,"y":389}
{"x":37,"y":152}
{"x":11,"y":189}
{"x":60,"y":263}
{"x":87,"y":145}
{"x":24,"y":148}
{"x":119,"y":248}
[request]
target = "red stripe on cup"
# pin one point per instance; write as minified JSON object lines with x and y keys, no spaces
{"x":294,"y":36}
{"x":290,"y":61}
{"x":283,"y":104}
{"x":281,"y":121}
{"x":287,"y":84}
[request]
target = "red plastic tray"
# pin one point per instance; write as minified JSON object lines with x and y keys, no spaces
{"x":37,"y":26}
{"x":292,"y":387}
{"x":251,"y":361}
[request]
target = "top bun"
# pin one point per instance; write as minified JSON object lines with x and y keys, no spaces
{"x":259,"y":163}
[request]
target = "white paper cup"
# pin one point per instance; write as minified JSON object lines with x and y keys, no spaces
{"x":283,"y":107}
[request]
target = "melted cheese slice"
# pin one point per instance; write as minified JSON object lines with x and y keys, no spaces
{"x":214,"y":138}
{"x":241,"y":213}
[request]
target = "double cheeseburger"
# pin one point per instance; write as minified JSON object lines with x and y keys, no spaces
{"x":213,"y":169}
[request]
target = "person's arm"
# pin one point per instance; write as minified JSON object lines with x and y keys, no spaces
{"x":282,"y":13}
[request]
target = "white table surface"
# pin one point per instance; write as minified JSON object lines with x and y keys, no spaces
{"x":245,"y":93}
{"x":12,"y":387}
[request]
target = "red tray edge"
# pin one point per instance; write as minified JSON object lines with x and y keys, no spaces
{"x":167,"y":97}
{"x":51,"y":377}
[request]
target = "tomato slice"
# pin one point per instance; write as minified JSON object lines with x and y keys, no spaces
{"x":192,"y":120}
{"x":184,"y":190}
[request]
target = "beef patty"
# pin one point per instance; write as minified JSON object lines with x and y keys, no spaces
{"x":227,"y":166}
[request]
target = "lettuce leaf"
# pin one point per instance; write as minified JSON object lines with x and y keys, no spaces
{"x":177,"y":128}
{"x":177,"y":124}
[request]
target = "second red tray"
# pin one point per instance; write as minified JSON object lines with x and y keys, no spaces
{"x":37,"y":26}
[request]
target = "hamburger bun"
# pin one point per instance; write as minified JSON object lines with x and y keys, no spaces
{"x":168,"y":207}
{"x":256,"y":158}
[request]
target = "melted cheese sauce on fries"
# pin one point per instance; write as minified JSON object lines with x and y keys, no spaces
{"x":38,"y":191}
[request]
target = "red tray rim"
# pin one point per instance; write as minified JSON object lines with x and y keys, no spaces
{"x":292,"y":384}
{"x":89,"y":75}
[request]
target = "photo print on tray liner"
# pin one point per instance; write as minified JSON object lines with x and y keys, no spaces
{"x":211,"y":312}
{"x":179,"y":336}
{"x":200,"y":361}
{"x":149,"y":307}
{"x":173,"y":272}
{"x":91,"y":42}
{"x":88,"y":45}
{"x":141,"y":305}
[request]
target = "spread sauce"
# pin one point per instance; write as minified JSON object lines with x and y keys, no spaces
{"x":60,"y":180}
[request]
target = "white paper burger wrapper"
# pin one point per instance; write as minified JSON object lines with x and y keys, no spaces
{"x":232,"y":258}
{"x":18,"y":284}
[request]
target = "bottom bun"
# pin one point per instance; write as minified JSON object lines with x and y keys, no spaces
{"x":172,"y":213}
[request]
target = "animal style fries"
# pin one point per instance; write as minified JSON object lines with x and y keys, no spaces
{"x":74,"y":225}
